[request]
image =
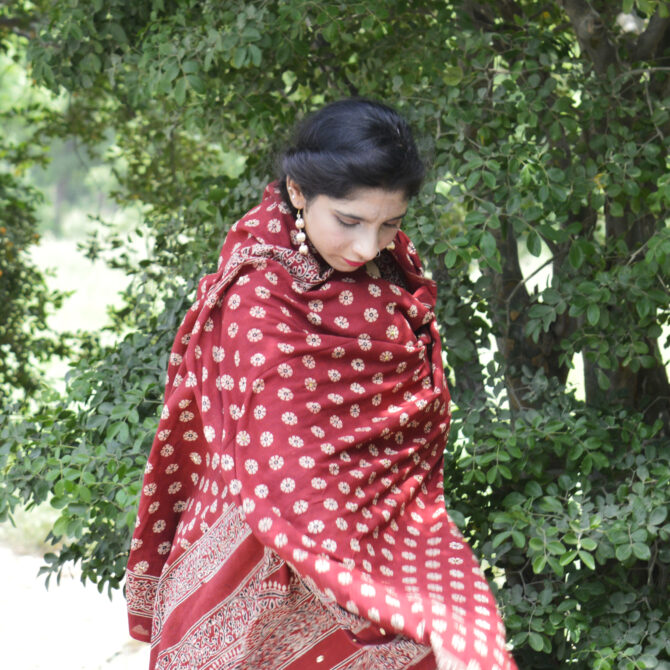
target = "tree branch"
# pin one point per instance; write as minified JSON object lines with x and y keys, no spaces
{"x":591,"y":33}
{"x":649,"y":40}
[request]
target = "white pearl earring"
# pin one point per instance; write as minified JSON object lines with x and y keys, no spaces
{"x":301,"y":237}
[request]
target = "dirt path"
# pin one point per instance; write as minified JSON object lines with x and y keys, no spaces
{"x":68,"y":627}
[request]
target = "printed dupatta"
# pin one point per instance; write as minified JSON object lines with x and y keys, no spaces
{"x":309,"y":407}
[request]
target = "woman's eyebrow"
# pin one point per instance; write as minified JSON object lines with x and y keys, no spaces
{"x":361,"y":218}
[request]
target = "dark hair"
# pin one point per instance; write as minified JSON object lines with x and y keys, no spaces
{"x":350,"y":144}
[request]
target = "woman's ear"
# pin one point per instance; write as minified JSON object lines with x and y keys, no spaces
{"x":298,"y":200}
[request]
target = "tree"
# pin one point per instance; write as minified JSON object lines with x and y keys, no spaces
{"x":547,"y":126}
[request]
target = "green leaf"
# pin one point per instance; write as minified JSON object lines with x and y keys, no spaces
{"x":576,"y":256}
{"x":536,"y":641}
{"x":452,"y":75}
{"x":658,"y":516}
{"x":180,"y":91}
{"x":641,"y":551}
{"x":538,"y":563}
{"x":616,"y":209}
{"x":587,"y":560}
{"x":593,"y":314}
{"x":487,"y":244}
{"x":623,"y":552}
{"x":534,"y":243}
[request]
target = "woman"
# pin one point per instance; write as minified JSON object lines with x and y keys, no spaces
{"x":292,"y":513}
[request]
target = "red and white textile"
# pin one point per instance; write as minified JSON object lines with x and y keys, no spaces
{"x":292,"y":512}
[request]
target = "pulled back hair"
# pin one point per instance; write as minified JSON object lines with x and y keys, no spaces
{"x":350,"y":144}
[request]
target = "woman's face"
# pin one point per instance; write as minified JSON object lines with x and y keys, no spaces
{"x":349,"y":232}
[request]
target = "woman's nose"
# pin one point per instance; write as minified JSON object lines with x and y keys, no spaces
{"x":366,"y":245}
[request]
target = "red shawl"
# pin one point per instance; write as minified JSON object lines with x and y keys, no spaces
{"x":292,"y":508}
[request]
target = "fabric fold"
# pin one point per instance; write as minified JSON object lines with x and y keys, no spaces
{"x":305,"y":418}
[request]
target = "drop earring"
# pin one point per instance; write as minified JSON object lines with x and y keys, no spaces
{"x":391,"y":245}
{"x":301,"y":237}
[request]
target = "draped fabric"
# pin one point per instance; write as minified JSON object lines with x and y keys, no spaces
{"x":292,"y":512}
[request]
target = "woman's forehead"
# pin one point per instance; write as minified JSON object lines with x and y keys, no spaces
{"x":370,"y":204}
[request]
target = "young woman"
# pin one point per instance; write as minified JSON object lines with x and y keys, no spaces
{"x":292,"y":513}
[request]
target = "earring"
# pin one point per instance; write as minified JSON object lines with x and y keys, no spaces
{"x":391,"y":245}
{"x":301,"y":237}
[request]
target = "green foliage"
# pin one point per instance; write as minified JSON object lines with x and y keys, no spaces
{"x":549,"y":153}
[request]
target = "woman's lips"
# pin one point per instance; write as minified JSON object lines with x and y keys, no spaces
{"x":353,"y":265}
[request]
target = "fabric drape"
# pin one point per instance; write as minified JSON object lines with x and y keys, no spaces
{"x":292,"y":509}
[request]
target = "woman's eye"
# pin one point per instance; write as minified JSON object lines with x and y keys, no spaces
{"x":347,"y":224}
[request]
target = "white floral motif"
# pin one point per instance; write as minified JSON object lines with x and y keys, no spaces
{"x":190,"y":436}
{"x":309,"y":362}
{"x":306,"y":462}
{"x":287,"y":485}
{"x":346,"y":297}
{"x":167,"y":450}
{"x":226,"y":382}
{"x":232,"y":329}
{"x":342,"y":322}
{"x":234,"y":301}
{"x":257,"y":360}
{"x":365,"y":342}
{"x":296,"y":441}
{"x":300,"y":506}
{"x":315,"y":526}
{"x":285,"y":348}
{"x":284,"y":370}
{"x":289,"y":418}
{"x":236,"y":412}
{"x":285,"y":393}
{"x":358,"y":365}
{"x":243,"y":438}
{"x":274,"y":226}
{"x":334,"y":375}
{"x":257,"y":312}
{"x":262,"y":292}
{"x":276,"y":462}
{"x":259,"y":412}
{"x":254,"y":335}
{"x":371,"y":314}
{"x":267,"y":438}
